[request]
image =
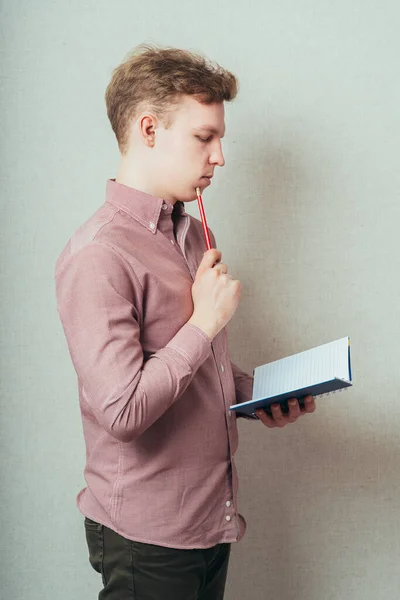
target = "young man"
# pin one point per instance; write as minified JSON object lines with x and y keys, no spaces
{"x":144,"y":309}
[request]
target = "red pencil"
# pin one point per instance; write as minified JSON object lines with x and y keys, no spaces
{"x":203,"y":219}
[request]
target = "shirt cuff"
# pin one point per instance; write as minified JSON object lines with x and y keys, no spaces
{"x":192,"y":344}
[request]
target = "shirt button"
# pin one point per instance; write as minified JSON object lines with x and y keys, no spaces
{"x":164,"y":206}
{"x":222,"y":368}
{"x":172,"y":242}
{"x":152,"y":226}
{"x":228,"y":503}
{"x":228,"y":518}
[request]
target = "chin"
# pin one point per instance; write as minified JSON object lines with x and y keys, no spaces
{"x":205,"y":182}
{"x":185,"y":195}
{"x":189,"y":194}
{"x":192,"y":194}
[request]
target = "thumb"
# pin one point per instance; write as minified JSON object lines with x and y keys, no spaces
{"x":209,"y":259}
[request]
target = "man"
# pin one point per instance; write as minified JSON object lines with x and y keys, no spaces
{"x":145,"y":310}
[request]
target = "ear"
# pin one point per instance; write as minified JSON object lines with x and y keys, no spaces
{"x":147,"y":127}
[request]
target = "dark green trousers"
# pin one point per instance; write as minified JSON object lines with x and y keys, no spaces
{"x":136,"y":571}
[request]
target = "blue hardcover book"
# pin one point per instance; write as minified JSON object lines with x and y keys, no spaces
{"x":318,"y":371}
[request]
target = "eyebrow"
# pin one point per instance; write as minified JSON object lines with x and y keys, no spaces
{"x":209,"y":129}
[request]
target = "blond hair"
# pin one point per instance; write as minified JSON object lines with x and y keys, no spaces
{"x":157,"y":77}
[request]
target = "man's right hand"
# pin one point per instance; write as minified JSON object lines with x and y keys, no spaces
{"x":215,"y":295}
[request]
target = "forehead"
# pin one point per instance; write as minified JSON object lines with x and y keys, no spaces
{"x":206,"y":117}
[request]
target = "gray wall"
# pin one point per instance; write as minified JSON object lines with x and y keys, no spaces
{"x":306,"y":212}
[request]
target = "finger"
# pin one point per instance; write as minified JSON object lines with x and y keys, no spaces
{"x":221,"y":267}
{"x":277,"y":415}
{"x":225,"y":279}
{"x":209,"y":259}
{"x":265,"y":419}
{"x":294,"y":410}
{"x":309,"y":404}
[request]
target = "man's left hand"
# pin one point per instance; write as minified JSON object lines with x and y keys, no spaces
{"x":280,"y":419}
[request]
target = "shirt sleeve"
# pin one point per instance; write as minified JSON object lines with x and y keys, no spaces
{"x":98,"y":300}
{"x":244,"y":389}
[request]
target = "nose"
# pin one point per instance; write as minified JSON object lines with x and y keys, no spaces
{"x":217,"y":156}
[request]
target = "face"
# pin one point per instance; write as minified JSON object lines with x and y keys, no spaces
{"x":186,"y":154}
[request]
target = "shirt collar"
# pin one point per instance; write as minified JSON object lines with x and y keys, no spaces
{"x":143,"y":207}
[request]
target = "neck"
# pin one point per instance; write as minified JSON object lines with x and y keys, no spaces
{"x":135,"y":175}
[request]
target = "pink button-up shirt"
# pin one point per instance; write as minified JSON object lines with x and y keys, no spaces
{"x":154,"y":390}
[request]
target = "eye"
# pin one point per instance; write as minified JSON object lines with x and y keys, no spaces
{"x":205,"y":140}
